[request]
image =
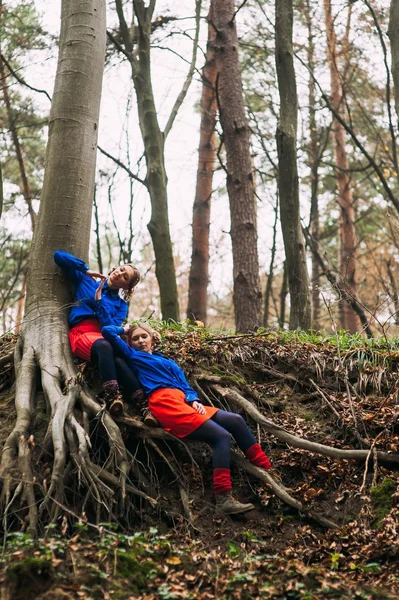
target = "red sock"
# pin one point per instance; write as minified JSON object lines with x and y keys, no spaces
{"x":222,"y":481}
{"x":257,"y":457}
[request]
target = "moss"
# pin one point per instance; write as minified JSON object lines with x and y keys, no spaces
{"x":28,"y":578}
{"x":29,"y":568}
{"x":128,"y":567}
{"x":381,"y":499}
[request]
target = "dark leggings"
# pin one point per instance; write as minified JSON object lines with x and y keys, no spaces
{"x":216,"y":432}
{"x":112,"y":367}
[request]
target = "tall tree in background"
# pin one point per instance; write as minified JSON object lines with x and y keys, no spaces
{"x":63,"y":222}
{"x":247,"y":295}
{"x":347,"y":229}
{"x":393,"y":33}
{"x":199,"y":270}
{"x":137,"y":49}
{"x":298,"y":281}
{"x":313,"y":152}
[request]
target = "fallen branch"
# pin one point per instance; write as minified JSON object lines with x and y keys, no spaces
{"x":297,"y":442}
{"x":280,"y":490}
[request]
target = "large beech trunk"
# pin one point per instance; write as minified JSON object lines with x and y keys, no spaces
{"x":298,"y":280}
{"x":199,"y":271}
{"x":347,"y":230}
{"x":63,"y":222}
{"x":247,"y":295}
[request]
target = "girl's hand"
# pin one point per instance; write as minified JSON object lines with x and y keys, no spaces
{"x":98,"y":290}
{"x":94,"y":275}
{"x":198,"y":407}
{"x":126,"y":328}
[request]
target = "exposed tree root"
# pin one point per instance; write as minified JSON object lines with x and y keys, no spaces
{"x":91,"y":465}
{"x":282,"y":434}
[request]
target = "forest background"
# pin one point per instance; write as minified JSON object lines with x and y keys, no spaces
{"x":346,"y":62}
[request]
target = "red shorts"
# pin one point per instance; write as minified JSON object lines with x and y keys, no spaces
{"x":82,"y":336}
{"x":175,"y":415}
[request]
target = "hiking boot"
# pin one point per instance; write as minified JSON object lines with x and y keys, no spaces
{"x":227,"y":505}
{"x":114,"y":401}
{"x":115,"y":406}
{"x":148,"y":418}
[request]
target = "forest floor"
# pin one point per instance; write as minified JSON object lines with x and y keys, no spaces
{"x":341,"y":392}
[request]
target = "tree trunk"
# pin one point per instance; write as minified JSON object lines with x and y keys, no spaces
{"x":247,"y":295}
{"x":269,"y":283}
{"x":63,"y":222}
{"x":153,"y":140}
{"x":283,"y":296}
{"x":347,"y":231}
{"x":314,"y":173}
{"x":298,"y":280}
{"x":138,"y":50}
{"x":199,"y":271}
{"x":393,"y":33}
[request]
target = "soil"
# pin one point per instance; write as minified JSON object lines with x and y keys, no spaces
{"x":270,"y":552}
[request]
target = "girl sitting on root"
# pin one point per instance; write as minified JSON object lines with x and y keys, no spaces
{"x":96,"y":304}
{"x":178,"y":409}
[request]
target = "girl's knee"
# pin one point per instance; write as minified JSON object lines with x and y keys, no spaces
{"x":236,"y":421}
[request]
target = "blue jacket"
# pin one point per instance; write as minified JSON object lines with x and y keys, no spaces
{"x":110,"y":310}
{"x":154,"y":371}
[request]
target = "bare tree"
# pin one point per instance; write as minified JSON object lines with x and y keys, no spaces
{"x":247,"y":295}
{"x":298,"y":280}
{"x":199,"y":271}
{"x":393,"y":33}
{"x":347,"y":231}
{"x":137,"y":49}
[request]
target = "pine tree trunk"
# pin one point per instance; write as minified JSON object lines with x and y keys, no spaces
{"x":63,"y":222}
{"x":247,"y":295}
{"x":298,"y":280}
{"x":199,"y":271}
{"x":347,"y":230}
{"x":393,"y":33}
{"x":314,"y":174}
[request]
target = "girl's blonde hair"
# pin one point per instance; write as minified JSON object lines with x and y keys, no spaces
{"x":155,"y":336}
{"x":135,"y":278}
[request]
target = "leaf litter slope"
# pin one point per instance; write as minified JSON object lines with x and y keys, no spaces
{"x":340,"y":392}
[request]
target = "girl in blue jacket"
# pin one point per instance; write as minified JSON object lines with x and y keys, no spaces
{"x":96,"y":304}
{"x":178,"y":409}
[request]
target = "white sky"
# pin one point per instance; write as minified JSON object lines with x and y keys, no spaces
{"x":169,"y":73}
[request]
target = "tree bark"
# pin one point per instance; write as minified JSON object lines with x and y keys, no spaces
{"x":137,"y":50}
{"x":270,"y":275}
{"x":63,"y":222}
{"x":314,"y":174}
{"x":393,"y":34}
{"x":247,"y":295}
{"x":156,"y":178}
{"x":199,"y":271}
{"x":347,"y":230}
{"x":298,"y":280}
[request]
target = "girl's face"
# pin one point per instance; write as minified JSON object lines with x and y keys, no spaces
{"x":141,"y":340}
{"x":121,"y":277}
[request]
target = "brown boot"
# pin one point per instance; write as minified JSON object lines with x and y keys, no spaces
{"x":113,"y":398}
{"x":148,"y":418}
{"x":227,"y":505}
{"x":115,"y":405}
